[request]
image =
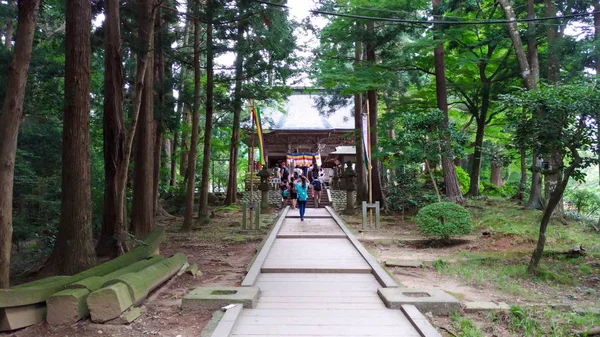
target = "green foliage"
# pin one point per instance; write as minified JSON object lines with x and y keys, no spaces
{"x":584,"y":200}
{"x":465,"y":327}
{"x":444,"y":219}
{"x":521,"y":321}
{"x":463,"y":179}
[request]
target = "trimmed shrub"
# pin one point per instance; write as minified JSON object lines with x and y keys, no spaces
{"x":444,"y":219}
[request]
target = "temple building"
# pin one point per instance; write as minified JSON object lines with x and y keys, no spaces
{"x":297,"y":130}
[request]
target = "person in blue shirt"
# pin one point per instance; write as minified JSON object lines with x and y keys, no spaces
{"x":302,"y":187}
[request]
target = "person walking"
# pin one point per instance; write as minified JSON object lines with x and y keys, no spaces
{"x":285,"y":193}
{"x":293,"y":193}
{"x":302,"y":187}
{"x":316,"y":184}
{"x":285,"y":173}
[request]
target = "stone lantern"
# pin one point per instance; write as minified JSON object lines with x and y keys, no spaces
{"x":264,"y":187}
{"x":349,"y":184}
{"x":335,"y":181}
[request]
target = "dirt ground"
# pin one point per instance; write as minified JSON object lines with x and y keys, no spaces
{"x":222,"y":253}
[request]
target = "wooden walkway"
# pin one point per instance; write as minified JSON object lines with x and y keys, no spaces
{"x":314,"y":281}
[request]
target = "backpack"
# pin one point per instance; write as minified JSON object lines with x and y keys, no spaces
{"x":302,"y":192}
{"x":316,"y":184}
{"x":285,"y":172}
{"x":296,"y":176}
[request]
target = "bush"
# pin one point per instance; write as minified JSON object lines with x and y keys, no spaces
{"x":463,"y":179}
{"x":444,"y":219}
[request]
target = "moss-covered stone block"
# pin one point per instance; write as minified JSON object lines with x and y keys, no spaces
{"x":67,"y":306}
{"x":109,"y":302}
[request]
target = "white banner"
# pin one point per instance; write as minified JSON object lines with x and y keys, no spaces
{"x":366,"y":140}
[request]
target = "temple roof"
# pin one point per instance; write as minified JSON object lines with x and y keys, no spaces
{"x":300,"y":112}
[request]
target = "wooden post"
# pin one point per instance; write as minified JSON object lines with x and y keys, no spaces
{"x":244,"y":215}
{"x":257,"y":217}
{"x":364,"y":214}
{"x":377,"y":215}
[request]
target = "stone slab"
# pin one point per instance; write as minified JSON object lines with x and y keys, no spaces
{"x":435,"y":301}
{"x":12,"y":318}
{"x":403,"y":263}
{"x":485,"y":306}
{"x":214,"y":297}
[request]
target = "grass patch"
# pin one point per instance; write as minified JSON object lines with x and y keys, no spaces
{"x":508,"y":272}
{"x":506,"y":217}
{"x":465,"y":327}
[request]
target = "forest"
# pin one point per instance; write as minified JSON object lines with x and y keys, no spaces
{"x":118,"y":113}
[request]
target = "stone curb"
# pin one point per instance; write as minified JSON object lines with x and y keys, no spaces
{"x":420,"y":322}
{"x":227,"y":323}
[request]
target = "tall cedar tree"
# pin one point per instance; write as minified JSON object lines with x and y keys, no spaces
{"x":10,"y":119}
{"x":231,"y":196}
{"x":142,"y":217}
{"x":74,"y":250}
{"x":450,"y":179}
{"x":530,"y":73}
{"x":203,"y":204}
{"x":182,"y":108}
{"x":114,"y":128}
{"x":188,"y":217}
{"x":373,"y":117}
{"x":158,"y":127}
{"x":361,"y":181}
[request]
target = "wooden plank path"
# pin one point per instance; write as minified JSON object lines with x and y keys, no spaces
{"x":314,"y":281}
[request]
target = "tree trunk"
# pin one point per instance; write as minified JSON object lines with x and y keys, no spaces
{"x":480,"y":118}
{"x":142,"y":217}
{"x":188,"y":216}
{"x":10,"y":119}
{"x":513,"y":30}
{"x":520,"y":195}
{"x":552,"y":179}
{"x":496,"y":175}
{"x":535,"y":193}
{"x":146,"y":29}
{"x":203,"y":207}
{"x":74,"y":250}
{"x":555,"y":198}
{"x":361,"y":176}
{"x":477,"y":157}
{"x":450,"y":179}
{"x":182,"y":108}
{"x":9,"y":25}
{"x":185,"y":141}
{"x":373,"y":117}
{"x":174,"y":145}
{"x":231,"y":196}
{"x":159,"y":68}
{"x":113,"y":126}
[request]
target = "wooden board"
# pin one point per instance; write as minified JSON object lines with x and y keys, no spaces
{"x":310,"y":213}
{"x":310,"y":228}
{"x":314,"y":255}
